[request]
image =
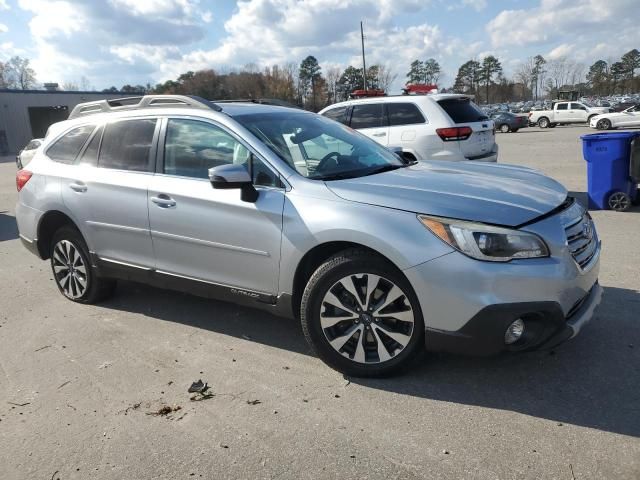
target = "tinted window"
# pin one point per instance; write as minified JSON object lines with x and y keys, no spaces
{"x":462,"y":110}
{"x":90,"y":155}
{"x":337,"y":114}
{"x":562,"y":106}
{"x":126,"y":145}
{"x":65,"y":149}
{"x":193,"y":147}
{"x":577,"y":106}
{"x":404,"y":114}
{"x":367,"y":116}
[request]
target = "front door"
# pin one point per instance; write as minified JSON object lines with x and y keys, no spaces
{"x":212,"y":235}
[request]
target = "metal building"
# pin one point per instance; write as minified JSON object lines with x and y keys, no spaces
{"x":27,"y":114}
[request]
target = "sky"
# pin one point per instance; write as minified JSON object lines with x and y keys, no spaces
{"x":117,"y":42}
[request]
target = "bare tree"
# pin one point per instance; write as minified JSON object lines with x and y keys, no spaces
{"x":4,"y":73}
{"x":70,"y":86}
{"x":333,"y":79}
{"x":20,"y":73}
{"x":386,"y":77}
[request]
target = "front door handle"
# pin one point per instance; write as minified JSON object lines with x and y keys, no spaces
{"x":164,"y":201}
{"x":382,"y":134}
{"x":78,"y":187}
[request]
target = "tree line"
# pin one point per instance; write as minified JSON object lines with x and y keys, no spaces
{"x":538,"y":77}
{"x":304,"y":85}
{"x":309,"y":87}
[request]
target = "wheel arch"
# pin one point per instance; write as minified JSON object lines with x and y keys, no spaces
{"x":49,"y":223}
{"x":315,"y":257}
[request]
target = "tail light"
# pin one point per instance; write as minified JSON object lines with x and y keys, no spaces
{"x":454,"y":133}
{"x":530,"y":113}
{"x":22,"y":177}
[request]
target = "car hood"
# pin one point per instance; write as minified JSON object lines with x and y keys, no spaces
{"x":482,"y":192}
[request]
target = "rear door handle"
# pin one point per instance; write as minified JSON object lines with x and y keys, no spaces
{"x":379,"y":134}
{"x":164,"y":201}
{"x":78,"y":187}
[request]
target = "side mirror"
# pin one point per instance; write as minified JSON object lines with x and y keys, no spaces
{"x":233,"y":176}
{"x":397,"y":150}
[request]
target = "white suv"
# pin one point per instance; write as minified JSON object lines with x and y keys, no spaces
{"x":426,"y":127}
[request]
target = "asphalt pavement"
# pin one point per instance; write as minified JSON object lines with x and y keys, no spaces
{"x":100,"y":392}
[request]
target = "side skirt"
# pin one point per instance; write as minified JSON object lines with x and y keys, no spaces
{"x":277,"y":305}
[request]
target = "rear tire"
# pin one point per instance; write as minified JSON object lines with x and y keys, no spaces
{"x":76,"y":279}
{"x":515,"y":130}
{"x":543,"y":122}
{"x":553,"y":125}
{"x":375,"y":337}
{"x":603,"y":124}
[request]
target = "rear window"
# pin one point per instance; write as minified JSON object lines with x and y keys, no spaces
{"x":562,"y":106}
{"x":338,"y":114}
{"x":404,"y":114}
{"x":66,"y":148}
{"x":369,"y":115}
{"x":462,"y":110}
{"x":126,"y":145}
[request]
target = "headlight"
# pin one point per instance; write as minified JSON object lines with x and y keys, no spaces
{"x":484,"y":242}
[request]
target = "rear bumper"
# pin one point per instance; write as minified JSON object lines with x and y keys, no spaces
{"x":545,"y":327}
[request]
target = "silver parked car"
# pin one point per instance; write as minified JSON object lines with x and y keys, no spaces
{"x":302,"y":216}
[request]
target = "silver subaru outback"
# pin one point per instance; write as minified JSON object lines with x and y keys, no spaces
{"x":301,"y":216}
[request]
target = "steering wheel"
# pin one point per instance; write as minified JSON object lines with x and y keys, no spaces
{"x":325,"y":160}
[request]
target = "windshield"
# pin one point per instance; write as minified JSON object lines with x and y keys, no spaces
{"x":319,"y":148}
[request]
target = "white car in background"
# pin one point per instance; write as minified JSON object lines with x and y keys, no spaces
{"x":26,"y":154}
{"x":625,"y":119}
{"x":426,"y":127}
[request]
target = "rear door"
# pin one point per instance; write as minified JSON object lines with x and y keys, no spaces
{"x":406,"y":129}
{"x":562,"y":113}
{"x":110,"y":199}
{"x":369,"y":119}
{"x":578,"y":112}
{"x":464,"y":113}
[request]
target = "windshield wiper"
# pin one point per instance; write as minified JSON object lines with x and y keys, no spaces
{"x":384,"y":168}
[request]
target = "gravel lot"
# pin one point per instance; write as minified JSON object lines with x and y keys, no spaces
{"x":78,"y":384}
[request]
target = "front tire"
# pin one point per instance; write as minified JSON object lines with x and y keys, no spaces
{"x":361,"y":316}
{"x":72,"y":271}
{"x":603,"y":124}
{"x":543,"y":122}
{"x":504,"y":128}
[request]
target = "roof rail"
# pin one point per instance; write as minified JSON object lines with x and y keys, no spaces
{"x":262,"y":101}
{"x":138,"y":103}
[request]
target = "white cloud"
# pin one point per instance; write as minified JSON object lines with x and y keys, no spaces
{"x":554,"y":20}
{"x":4,"y":5}
{"x":478,"y":5}
{"x":76,"y":38}
{"x":3,"y":28}
{"x":560,"y":51}
{"x":282,"y":31}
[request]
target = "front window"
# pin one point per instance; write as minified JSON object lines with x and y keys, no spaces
{"x":319,"y":148}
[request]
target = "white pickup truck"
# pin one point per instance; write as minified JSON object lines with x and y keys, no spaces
{"x":564,"y":113}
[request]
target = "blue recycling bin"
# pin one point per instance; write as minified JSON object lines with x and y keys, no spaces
{"x":613,"y":161}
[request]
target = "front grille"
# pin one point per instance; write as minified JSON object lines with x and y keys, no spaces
{"x":582,"y":239}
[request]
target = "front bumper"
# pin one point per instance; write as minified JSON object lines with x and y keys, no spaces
{"x":545,"y":327}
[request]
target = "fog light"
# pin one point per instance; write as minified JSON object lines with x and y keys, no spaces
{"x":514,"y":332}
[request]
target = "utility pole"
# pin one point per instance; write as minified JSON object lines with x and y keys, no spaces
{"x":364,"y":65}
